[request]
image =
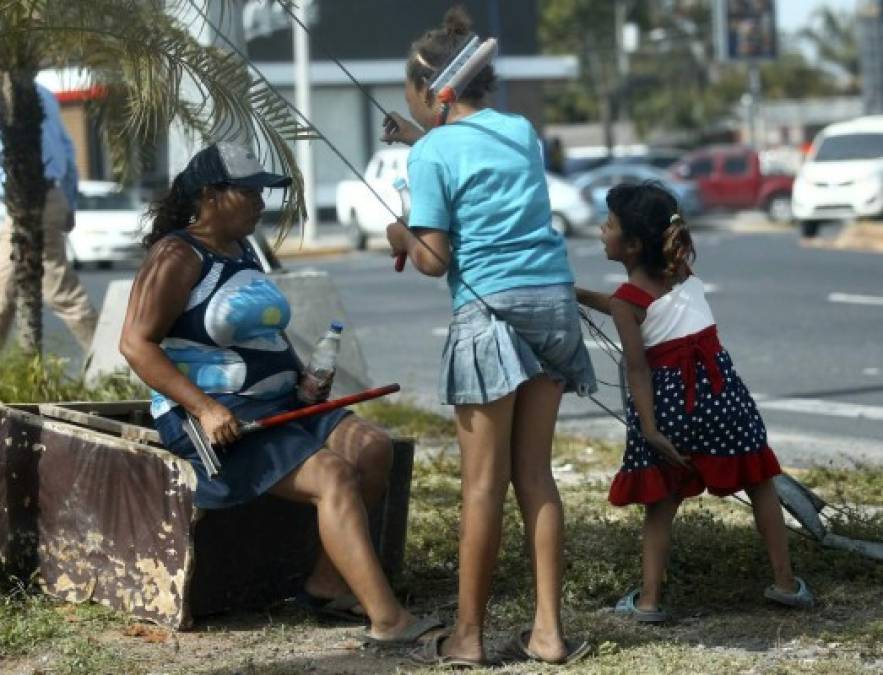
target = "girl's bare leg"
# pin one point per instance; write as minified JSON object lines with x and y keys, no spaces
{"x":656,"y":544}
{"x":536,"y":411}
{"x":771,"y":525}
{"x":484,"y":433}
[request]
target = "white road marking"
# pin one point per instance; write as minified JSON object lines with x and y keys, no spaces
{"x":815,"y":406}
{"x":440,"y":331}
{"x":854,"y":299}
{"x":871,"y":371}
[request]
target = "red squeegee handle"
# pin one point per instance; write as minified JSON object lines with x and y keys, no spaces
{"x":325,"y":406}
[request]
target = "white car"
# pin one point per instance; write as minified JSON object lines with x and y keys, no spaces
{"x":108,"y":227}
{"x":364,"y":216}
{"x":842,"y":177}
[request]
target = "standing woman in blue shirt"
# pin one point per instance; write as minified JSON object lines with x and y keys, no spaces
{"x":480,"y":213}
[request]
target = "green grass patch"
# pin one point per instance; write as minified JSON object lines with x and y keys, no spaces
{"x":34,"y":624}
{"x":406,"y":419}
{"x":34,"y":379}
{"x":715,"y":582}
{"x":861,"y":485}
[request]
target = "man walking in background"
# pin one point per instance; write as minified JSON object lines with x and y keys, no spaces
{"x":62,"y":290}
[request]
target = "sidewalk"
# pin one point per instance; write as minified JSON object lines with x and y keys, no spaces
{"x":331,"y":239}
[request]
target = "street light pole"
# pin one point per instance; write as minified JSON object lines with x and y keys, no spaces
{"x":303,"y":99}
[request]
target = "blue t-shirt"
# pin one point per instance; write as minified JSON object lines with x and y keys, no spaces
{"x":481,"y":180}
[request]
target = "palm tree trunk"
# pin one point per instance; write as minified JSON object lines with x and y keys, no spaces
{"x":21,"y":116}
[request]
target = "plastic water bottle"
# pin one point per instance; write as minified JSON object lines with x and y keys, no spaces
{"x":401,"y":187}
{"x":323,"y":360}
{"x":405,"y":195}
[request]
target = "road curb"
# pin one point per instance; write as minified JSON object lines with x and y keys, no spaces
{"x":860,"y":237}
{"x":294,"y":253}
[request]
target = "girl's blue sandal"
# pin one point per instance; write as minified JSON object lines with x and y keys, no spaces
{"x":802,"y":598}
{"x":627,"y":607}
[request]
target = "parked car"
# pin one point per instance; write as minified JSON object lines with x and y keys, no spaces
{"x":108,"y":228}
{"x":364,"y":216}
{"x":842,"y":177}
{"x":730,"y":177}
{"x":594,"y":185}
{"x":570,"y":211}
{"x":583,"y":159}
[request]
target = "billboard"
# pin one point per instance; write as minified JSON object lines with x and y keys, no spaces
{"x":745,"y":29}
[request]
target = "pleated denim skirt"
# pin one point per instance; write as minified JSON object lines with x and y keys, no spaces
{"x":531,"y":331}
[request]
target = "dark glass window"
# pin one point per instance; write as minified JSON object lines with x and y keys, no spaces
{"x":850,"y":146}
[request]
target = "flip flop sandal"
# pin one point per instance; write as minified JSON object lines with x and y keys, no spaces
{"x":339,"y":608}
{"x":627,"y":607}
{"x":517,"y":651}
{"x":430,"y":654}
{"x":802,"y":598}
{"x":408,"y":637}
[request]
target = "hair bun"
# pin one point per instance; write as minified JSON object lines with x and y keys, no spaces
{"x":457,"y":22}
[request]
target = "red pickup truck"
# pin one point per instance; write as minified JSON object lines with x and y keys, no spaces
{"x":730,"y":177}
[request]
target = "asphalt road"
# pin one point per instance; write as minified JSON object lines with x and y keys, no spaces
{"x":804,"y":327}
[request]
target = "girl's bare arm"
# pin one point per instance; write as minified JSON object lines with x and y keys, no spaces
{"x":600,"y":302}
{"x":640,"y":379}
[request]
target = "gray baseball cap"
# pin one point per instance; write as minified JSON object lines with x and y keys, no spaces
{"x":227,"y":163}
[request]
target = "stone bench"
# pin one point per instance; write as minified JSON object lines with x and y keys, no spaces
{"x":92,"y":503}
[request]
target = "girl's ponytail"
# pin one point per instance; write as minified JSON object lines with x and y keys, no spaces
{"x":174,"y":211}
{"x":677,"y":247}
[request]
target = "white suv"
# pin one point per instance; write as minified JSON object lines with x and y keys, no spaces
{"x":842,"y":177}
{"x":364,"y":216}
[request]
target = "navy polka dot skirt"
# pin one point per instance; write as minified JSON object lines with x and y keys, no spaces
{"x":705,"y":410}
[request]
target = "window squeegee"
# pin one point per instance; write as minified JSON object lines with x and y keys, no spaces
{"x":206,"y":450}
{"x":452,"y":81}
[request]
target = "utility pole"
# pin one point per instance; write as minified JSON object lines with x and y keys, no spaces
{"x":754,"y":94}
{"x":303,"y":98}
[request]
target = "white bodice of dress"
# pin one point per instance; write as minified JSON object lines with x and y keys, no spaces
{"x":680,"y":312}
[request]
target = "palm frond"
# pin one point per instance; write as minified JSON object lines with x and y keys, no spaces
{"x":154,"y":71}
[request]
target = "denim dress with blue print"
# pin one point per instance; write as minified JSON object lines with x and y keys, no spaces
{"x":230,"y":342}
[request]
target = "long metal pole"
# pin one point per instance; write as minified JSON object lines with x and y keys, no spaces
{"x":303,"y":98}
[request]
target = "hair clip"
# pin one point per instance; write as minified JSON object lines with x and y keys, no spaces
{"x":675,"y":218}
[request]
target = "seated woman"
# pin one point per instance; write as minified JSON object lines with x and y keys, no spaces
{"x":205,"y":330}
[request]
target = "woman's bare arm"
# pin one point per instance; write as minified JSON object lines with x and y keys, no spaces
{"x":159,"y":296}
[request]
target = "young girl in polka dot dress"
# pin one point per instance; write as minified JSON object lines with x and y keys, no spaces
{"x":692,"y":424}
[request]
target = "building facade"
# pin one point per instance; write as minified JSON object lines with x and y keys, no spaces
{"x":372,"y":39}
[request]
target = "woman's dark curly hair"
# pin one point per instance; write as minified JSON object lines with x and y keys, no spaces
{"x":173,"y":211}
{"x":648,"y":213}
{"x":434,"y":50}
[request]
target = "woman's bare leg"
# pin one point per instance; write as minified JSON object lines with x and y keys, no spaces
{"x":536,"y":411}
{"x":771,"y":525}
{"x":369,"y":449}
{"x":329,"y":481}
{"x":484,"y":433}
